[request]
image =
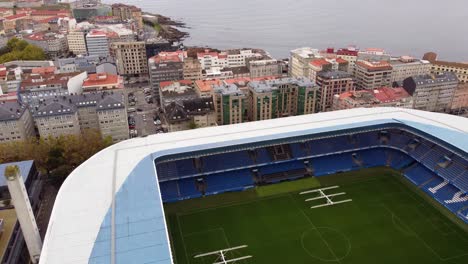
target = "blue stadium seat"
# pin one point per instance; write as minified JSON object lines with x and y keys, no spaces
{"x":281,"y":167}
{"x":188,"y":188}
{"x":169,"y":191}
{"x":263,"y":156}
{"x":373,"y":157}
{"x":297,"y":150}
{"x":228,"y":181}
{"x":419,"y":174}
{"x":462,"y":182}
{"x":332,"y":164}
{"x":225,"y":161}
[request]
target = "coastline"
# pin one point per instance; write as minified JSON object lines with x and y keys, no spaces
{"x":166,"y":27}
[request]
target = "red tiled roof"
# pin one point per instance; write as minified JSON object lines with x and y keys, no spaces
{"x":99,"y":79}
{"x":43,"y":70}
{"x":340,"y":60}
{"x":170,"y":58}
{"x":206,"y":85}
{"x":207,"y":53}
{"x":319,"y":62}
{"x":347,"y":52}
{"x":17,"y":16}
{"x":387,"y":94}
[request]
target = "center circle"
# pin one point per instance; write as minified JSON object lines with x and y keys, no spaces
{"x":325,"y":244}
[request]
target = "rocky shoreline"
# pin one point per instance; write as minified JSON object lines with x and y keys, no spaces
{"x":166,"y":27}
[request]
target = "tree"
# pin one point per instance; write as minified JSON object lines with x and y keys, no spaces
{"x":17,"y":49}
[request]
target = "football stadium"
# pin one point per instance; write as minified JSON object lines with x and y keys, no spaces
{"x":380,"y":185}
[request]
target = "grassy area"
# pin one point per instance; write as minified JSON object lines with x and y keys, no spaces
{"x":386,"y":222}
{"x":289,"y":186}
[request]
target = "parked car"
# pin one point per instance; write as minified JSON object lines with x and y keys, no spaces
{"x":139,"y":110}
{"x":131,"y":109}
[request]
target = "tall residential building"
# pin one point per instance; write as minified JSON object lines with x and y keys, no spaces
{"x":299,"y":61}
{"x":230,"y":104}
{"x":127,"y":12}
{"x":280,"y":98}
{"x":380,"y":97}
{"x":163,"y":68}
{"x":56,"y":118}
{"x":323,"y":64}
{"x":176,"y":91}
{"x":192,"y":69}
{"x":432,"y":92}
{"x":438,"y":67}
{"x":349,"y":54}
{"x":97,"y":43}
{"x":406,"y":66}
{"x":372,"y":74}
{"x":262,"y":68}
{"x":77,"y":42}
{"x":16,"y":122}
{"x":332,"y":83}
{"x":130,"y":58}
{"x":460,"y":100}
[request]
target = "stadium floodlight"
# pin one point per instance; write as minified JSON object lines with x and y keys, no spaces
{"x":222,"y":255}
{"x":323,"y":195}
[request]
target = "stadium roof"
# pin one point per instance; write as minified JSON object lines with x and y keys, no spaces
{"x":109,"y":210}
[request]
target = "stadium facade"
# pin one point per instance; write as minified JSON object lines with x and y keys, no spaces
{"x":110,"y":209}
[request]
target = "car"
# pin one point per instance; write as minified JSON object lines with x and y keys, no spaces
{"x":157,"y":122}
{"x":139,"y":110}
{"x":147,"y":90}
{"x":131,"y":109}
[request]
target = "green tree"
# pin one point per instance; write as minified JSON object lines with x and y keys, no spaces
{"x":17,"y":49}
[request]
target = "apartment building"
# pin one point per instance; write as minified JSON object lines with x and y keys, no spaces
{"x":165,"y":67}
{"x":262,"y":68}
{"x":280,"y":98}
{"x":102,"y":82}
{"x":176,"y":91}
{"x":438,"y":67}
{"x":460,"y":100}
{"x":373,"y":54}
{"x":373,"y":74}
{"x":76,"y":40}
{"x":380,"y":97}
{"x":299,"y":61}
{"x":332,"y":83}
{"x":97,"y":43}
{"x":192,"y":69}
{"x":432,"y":92}
{"x":130,"y":58}
{"x":230,"y":104}
{"x":323,"y":64}
{"x":190,"y":114}
{"x":78,"y":64}
{"x":349,"y":54}
{"x":127,"y":12}
{"x":16,"y":122}
{"x":54,"y":44}
{"x":37,"y":87}
{"x":56,"y":118}
{"x":406,"y":66}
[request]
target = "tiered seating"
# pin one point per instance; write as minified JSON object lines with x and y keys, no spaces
{"x":228,"y":181}
{"x":418,"y":174}
{"x":453,"y":171}
{"x":169,"y":191}
{"x":226,"y":161}
{"x":297,"y":150}
{"x":462,"y":182}
{"x":420,"y":151}
{"x":374,"y":157}
{"x":433,"y":156}
{"x":332,"y":164}
{"x":433,"y":183}
{"x":263,"y":156}
{"x":167,"y":170}
{"x":447,"y":193}
{"x":281,"y":167}
{"x":368,"y":139}
{"x":188,"y":188}
{"x":399,"y":140}
{"x":400,"y":160}
{"x":329,"y":145}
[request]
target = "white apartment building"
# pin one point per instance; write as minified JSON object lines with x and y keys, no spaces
{"x":406,"y":66}
{"x":97,"y":43}
{"x":299,"y":61}
{"x":56,"y":119}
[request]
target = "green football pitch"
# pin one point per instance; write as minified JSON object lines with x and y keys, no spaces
{"x":387,"y":221}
